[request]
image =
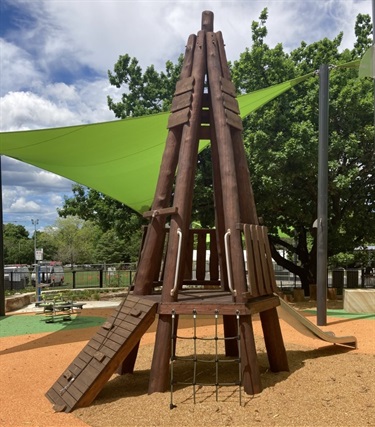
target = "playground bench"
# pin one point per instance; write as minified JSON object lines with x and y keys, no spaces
{"x":59,"y":309}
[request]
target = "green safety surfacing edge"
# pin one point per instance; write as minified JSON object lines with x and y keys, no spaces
{"x":345,"y":315}
{"x":13,"y":325}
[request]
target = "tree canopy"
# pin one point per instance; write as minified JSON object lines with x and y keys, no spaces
{"x":282,"y":145}
{"x":281,"y":141}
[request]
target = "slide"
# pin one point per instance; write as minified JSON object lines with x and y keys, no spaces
{"x":304,"y":326}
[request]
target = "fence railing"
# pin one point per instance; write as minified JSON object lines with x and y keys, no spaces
{"x":91,"y":277}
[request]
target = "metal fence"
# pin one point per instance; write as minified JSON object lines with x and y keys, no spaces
{"x":122,"y":276}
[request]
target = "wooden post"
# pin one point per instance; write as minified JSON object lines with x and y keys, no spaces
{"x":155,"y":236}
{"x":251,"y":374}
{"x":183,"y":201}
{"x":246,"y":199}
{"x":148,"y":268}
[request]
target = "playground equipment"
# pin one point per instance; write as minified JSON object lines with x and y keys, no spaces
{"x":204,"y":107}
{"x":305,"y":327}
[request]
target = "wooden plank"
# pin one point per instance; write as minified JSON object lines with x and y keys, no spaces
{"x":110,"y":347}
{"x":258,"y":239}
{"x":204,"y":308}
{"x":99,"y":366}
{"x":257,"y":260}
{"x":214,"y":257}
{"x":233,"y":119}
{"x":253,"y":288}
{"x":208,"y":283}
{"x":54,"y":397}
{"x":269,"y":259}
{"x":201,"y":257}
{"x":116,"y":338}
{"x":263,"y":304}
{"x":144,"y":304}
{"x":88,"y":376}
{"x":79,"y":363}
{"x":181,"y":101}
{"x":102,"y":337}
{"x":178,"y":118}
{"x":130,"y":320}
{"x":228,"y":87}
{"x":184,"y":85}
{"x":84,"y":356}
{"x":188,"y":259}
{"x":266,"y":272}
{"x":231,"y":103}
{"x":79,"y":385}
{"x":95,"y":344}
{"x":67,"y":397}
{"x":107,"y":326}
{"x":74,"y":392}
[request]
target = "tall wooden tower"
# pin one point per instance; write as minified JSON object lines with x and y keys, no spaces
{"x":204,"y":107}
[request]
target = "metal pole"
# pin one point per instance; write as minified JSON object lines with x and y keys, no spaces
{"x":37,"y":281}
{"x":2,"y":281}
{"x":373,"y":46}
{"x":321,"y":275}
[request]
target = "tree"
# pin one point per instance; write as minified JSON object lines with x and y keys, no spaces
{"x":110,"y":248}
{"x":75,"y":239}
{"x":146,"y":93}
{"x":282,"y":144}
{"x":281,"y":140}
{"x":106,"y":213}
{"x":18,"y":247}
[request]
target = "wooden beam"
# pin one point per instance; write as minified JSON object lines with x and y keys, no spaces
{"x":183,"y":198}
{"x":246,"y":200}
{"x":157,"y":212}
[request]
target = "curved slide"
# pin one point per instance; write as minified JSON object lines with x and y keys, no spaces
{"x":304,"y":326}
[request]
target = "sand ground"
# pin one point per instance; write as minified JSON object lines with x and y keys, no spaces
{"x":327,"y":385}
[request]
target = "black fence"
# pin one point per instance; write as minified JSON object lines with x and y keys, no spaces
{"x":79,"y":277}
{"x":14,"y":281}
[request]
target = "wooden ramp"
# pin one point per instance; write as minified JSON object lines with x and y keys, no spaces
{"x":101,"y":357}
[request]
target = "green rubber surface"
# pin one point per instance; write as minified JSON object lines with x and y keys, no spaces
{"x":35,"y":324}
{"x":346,"y":315}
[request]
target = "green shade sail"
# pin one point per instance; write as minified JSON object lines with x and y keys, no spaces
{"x":367,"y":65}
{"x":120,"y":158}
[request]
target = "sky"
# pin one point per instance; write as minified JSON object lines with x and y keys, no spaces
{"x":55,"y":56}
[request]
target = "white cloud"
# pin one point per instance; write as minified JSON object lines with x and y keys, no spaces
{"x":18,"y":68}
{"x":54,"y":62}
{"x":27,"y":110}
{"x":22,"y":205}
{"x":30,"y":192}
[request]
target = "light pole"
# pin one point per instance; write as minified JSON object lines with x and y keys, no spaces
{"x":35,"y":222}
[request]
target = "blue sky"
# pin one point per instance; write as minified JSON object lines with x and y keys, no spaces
{"x":55,"y":54}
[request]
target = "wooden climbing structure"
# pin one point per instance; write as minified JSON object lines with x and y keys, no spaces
{"x":204,"y":107}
